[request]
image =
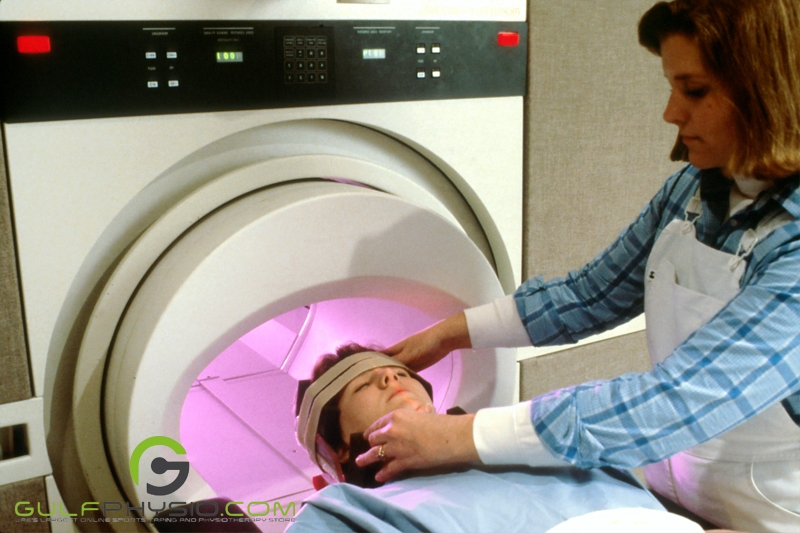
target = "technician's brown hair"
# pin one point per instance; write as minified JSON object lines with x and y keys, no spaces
{"x":753,"y":47}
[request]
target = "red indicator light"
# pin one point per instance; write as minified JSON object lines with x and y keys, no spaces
{"x":33,"y":44}
{"x":507,"y":38}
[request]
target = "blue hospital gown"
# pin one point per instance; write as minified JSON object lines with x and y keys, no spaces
{"x":482,"y":500}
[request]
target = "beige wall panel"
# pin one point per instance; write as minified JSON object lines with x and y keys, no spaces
{"x":15,"y":382}
{"x":599,"y":360}
{"x":597,"y":147}
{"x":32,"y":490}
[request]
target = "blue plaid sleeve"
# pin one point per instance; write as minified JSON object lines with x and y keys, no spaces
{"x":609,"y":290}
{"x":742,"y":361}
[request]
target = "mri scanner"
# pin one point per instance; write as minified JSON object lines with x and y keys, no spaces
{"x":209,"y":195}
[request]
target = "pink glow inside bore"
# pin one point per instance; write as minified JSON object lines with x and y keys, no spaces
{"x":238,"y":423}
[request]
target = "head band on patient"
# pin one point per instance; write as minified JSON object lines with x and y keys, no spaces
{"x":328,"y":386}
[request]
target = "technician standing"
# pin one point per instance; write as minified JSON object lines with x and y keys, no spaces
{"x":713,"y":261}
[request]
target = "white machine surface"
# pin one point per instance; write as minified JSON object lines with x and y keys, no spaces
{"x":196,"y":223}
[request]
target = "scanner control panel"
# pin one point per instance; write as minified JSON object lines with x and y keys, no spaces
{"x":71,"y":70}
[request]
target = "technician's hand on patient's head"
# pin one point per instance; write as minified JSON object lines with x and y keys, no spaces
{"x":429,"y":346}
{"x":417,"y":440}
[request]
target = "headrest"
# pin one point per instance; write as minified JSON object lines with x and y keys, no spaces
{"x":313,"y":397}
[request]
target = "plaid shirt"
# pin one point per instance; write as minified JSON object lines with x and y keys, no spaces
{"x":745,"y":359}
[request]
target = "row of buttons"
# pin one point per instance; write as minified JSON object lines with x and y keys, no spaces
{"x":154,"y":55}
{"x":302,"y":53}
{"x":436,"y":48}
{"x":305,"y":65}
{"x":153,"y":84}
{"x":300,"y":41}
{"x":306,"y":77}
{"x":422,"y":73}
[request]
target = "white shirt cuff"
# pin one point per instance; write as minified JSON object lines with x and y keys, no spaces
{"x":496,"y":325}
{"x":505,"y":436}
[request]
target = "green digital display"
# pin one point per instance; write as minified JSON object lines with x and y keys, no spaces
{"x":373,"y":53}
{"x":230,"y":57}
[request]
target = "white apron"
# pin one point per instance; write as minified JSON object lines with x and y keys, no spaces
{"x":749,"y":477}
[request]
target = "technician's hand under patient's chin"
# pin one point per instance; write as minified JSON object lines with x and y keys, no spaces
{"x":418,"y":440}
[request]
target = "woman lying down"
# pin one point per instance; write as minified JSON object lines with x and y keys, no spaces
{"x":353,"y":388}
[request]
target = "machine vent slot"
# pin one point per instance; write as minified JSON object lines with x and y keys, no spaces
{"x":13,"y":441}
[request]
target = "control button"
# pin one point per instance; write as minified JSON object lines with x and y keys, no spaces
{"x":173,"y":83}
{"x":288,"y":54}
{"x":311,"y":65}
{"x":172,"y":55}
{"x":322,"y":77}
{"x":421,"y":49}
{"x":288,"y":41}
{"x":436,"y":73}
{"x":322,"y":65}
{"x":310,"y":41}
{"x":152,"y":85}
{"x":322,"y":41}
{"x":288,"y":78}
{"x":299,"y":41}
{"x":312,"y":77}
{"x":301,"y":65}
{"x":150,"y":55}
{"x":301,"y":78}
{"x":436,"y":48}
{"x":310,"y":54}
{"x":289,"y":65}
{"x":300,"y":53}
{"x":420,"y":73}
{"x":322,"y":54}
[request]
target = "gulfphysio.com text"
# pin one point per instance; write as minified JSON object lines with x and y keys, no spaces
{"x":205,"y":511}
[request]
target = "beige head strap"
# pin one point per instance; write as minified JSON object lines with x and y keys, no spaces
{"x":328,"y":386}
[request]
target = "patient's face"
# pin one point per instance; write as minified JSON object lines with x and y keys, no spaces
{"x":375,"y":393}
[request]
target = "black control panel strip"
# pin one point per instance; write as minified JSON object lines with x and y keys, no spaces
{"x":75,"y":70}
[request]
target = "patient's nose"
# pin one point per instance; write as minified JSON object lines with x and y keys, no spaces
{"x":386,"y":375}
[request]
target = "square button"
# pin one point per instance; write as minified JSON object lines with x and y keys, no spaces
{"x":436,"y":48}
{"x":172,"y":55}
{"x":173,"y":83}
{"x":420,"y":73}
{"x":152,"y":85}
{"x":150,"y":55}
{"x":436,"y":73}
{"x":421,"y":49}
